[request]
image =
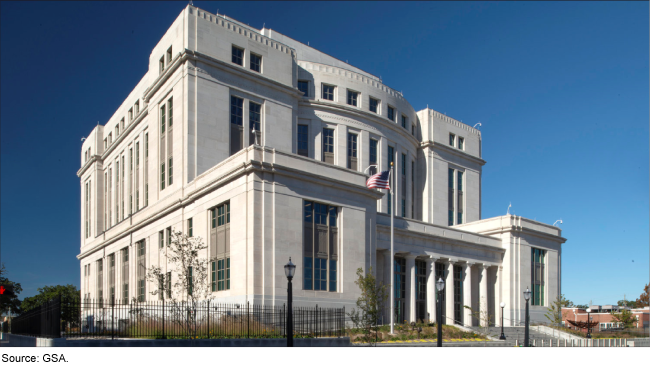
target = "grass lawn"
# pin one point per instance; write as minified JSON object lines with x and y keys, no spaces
{"x":406,"y":332}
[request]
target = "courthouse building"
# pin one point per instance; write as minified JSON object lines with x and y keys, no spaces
{"x":261,"y":146}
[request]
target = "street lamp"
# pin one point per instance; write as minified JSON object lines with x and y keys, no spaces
{"x":440,"y":285}
{"x":503,"y":336}
{"x":527,"y":297}
{"x":289,"y":270}
{"x":588,"y":326}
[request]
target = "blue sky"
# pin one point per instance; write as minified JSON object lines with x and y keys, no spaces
{"x":561,"y":90}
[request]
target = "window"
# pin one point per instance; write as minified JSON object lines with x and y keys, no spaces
{"x":420,"y":290}
{"x":130,"y":180}
{"x":125,"y":275}
{"x":391,"y":159}
{"x":171,"y":171}
{"x":399,"y":294}
{"x":303,"y":140}
{"x":161,"y":64}
{"x":254,"y":120}
{"x":170,"y":109}
{"x":236,"y":124}
{"x":111,"y":277}
{"x":237,"y":55}
{"x":140,"y":246}
{"x":413,"y":129}
{"x":328,"y":145}
{"x":328,"y":92}
{"x":110,"y":138}
{"x":190,"y":228}
{"x":169,"y":236}
{"x":452,"y":139}
{"x":352,"y":151}
{"x":117,"y":131}
{"x":391,"y":113}
{"x":304,"y":87}
{"x":220,"y":247}
{"x":537,"y":275}
{"x":117,"y":191}
{"x":162,"y":176}
{"x":130,"y":115}
{"x":373,"y":156}
{"x":105,"y":144}
{"x":320,"y":246}
{"x":137,"y":176}
{"x":403,"y":188}
{"x":440,"y":274}
{"x":404,"y":121}
{"x":169,"y":284}
{"x":86,"y":210}
{"x":374,"y":105}
{"x":137,"y":107}
{"x":458,"y":294}
{"x":413,"y":189}
{"x":169,"y":56}
{"x":162,"y":119}
{"x":459,"y":208}
{"x":146,"y":169}
{"x":256,"y":62}
{"x":100,"y":280}
{"x":122,"y":124}
{"x":450,"y":199}
{"x":353,"y":96}
{"x":461,"y":143}
{"x":161,"y":239}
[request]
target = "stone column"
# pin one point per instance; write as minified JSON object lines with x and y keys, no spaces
{"x":431,"y":289}
{"x":388,"y":261}
{"x":410,"y":288}
{"x":483,"y":295}
{"x":449,"y":292}
{"x":497,"y":296}
{"x":467,"y":294}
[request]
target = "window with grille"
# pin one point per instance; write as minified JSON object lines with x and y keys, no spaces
{"x":161,"y":239}
{"x":320,"y":246}
{"x":256,"y":62}
{"x":190,"y":280}
{"x":304,"y":87}
{"x":171,"y":170}
{"x":372,"y":154}
{"x":352,"y":151}
{"x":190,"y":228}
{"x":404,"y":121}
{"x":421,"y":290}
{"x":328,"y":145}
{"x":353,"y":97}
{"x":391,"y":113}
{"x":168,"y":282}
{"x":450,"y":197}
{"x":328,"y":92}
{"x":303,"y":140}
{"x":399,"y":294}
{"x":220,"y":247}
{"x":100,"y":280}
{"x":169,"y":55}
{"x":111,"y":277}
{"x":169,"y":236}
{"x":236,"y":124}
{"x":459,"y":208}
{"x":537,"y":275}
{"x":237,"y":56}
{"x":452,"y":139}
{"x":373,"y":105}
{"x":461,"y":143}
{"x":141,"y":271}
{"x":458,"y":294}
{"x":255,"y":123}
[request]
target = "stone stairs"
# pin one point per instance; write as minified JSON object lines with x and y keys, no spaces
{"x":515,"y":333}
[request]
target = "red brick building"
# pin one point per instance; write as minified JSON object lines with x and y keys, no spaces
{"x":603,"y":315}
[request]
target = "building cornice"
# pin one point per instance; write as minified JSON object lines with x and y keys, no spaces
{"x":454,"y":151}
{"x":360,"y":113}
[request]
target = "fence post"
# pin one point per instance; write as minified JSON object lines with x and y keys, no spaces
{"x":208,"y":318}
{"x":113,"y":317}
{"x":248,"y":319}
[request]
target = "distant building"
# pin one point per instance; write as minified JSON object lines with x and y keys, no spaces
{"x":603,"y":315}
{"x":260,"y":145}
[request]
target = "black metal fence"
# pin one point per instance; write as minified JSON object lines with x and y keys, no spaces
{"x":42,"y":321}
{"x":182,"y":320}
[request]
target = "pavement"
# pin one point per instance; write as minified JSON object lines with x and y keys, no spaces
{"x":434,"y":343}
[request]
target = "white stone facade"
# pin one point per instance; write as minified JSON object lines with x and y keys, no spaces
{"x":267,"y":184}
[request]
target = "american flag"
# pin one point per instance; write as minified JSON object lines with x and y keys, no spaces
{"x":379,"y":180}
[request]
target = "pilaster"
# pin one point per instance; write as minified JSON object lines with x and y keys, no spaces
{"x":410,"y":287}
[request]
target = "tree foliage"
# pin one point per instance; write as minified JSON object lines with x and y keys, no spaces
{"x":69,"y":293}
{"x":626,"y":303}
{"x":554,"y":311}
{"x":625,"y":318}
{"x":644,"y":298}
{"x":370,"y":304}
{"x":9,"y":299}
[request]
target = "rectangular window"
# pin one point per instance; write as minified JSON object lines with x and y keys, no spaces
{"x":170,"y":110}
{"x":328,"y":92}
{"x":320,"y":247}
{"x":303,"y":140}
{"x":190,"y":228}
{"x":237,"y":56}
{"x":352,"y":151}
{"x":117,"y":189}
{"x":391,"y":160}
{"x":117,"y":131}
{"x":130,"y":180}
{"x":391,"y":113}
{"x":162,"y":176}
{"x":236,"y":124}
{"x":450,"y":208}
{"x":125,"y":275}
{"x":537,"y":275}
{"x":459,"y":208}
{"x":403,"y":187}
{"x":161,"y":64}
{"x":122,"y":124}
{"x":110,"y":138}
{"x":373,"y":105}
{"x":255,"y":123}
{"x":440,"y":274}
{"x":130,"y":115}
{"x":256,"y":62}
{"x":146,"y":168}
{"x":105,"y":144}
{"x":219,"y":249}
{"x":223,"y":274}
{"x":413,"y":129}
{"x":169,"y":236}
{"x":404,"y":122}
{"x":162,"y":119}
{"x":461,"y":143}
{"x":140,"y":246}
{"x":421,"y":290}
{"x":161,"y":239}
{"x":304,"y":87}
{"x":137,"y":107}
{"x":458,"y":294}
{"x":328,"y":145}
{"x":373,"y":156}
{"x":171,"y":171}
{"x":399,"y":295}
{"x":352,"y":97}
{"x":190,"y":280}
{"x":100,"y":280}
{"x":452,"y":139}
{"x":213,"y":275}
{"x":137,"y":176}
{"x":111,"y":278}
{"x":413,"y":189}
{"x":169,"y":55}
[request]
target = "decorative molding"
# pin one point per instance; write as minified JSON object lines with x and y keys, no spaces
{"x":454,"y":151}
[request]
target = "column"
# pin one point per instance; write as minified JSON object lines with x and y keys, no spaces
{"x":410,"y":288}
{"x":431,"y":289}
{"x":388,"y":261}
{"x":483,"y":295}
{"x":449,"y":293}
{"x":467,"y":294}
{"x":497,"y":296}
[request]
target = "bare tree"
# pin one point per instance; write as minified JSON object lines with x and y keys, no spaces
{"x":482,"y":316}
{"x":186,"y":288}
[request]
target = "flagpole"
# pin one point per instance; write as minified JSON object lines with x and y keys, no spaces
{"x":392,"y":257}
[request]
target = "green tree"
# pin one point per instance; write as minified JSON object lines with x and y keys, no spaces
{"x":554,"y":310}
{"x":625,"y":318}
{"x":582,"y":306}
{"x":370,"y":304}
{"x":644,"y":298}
{"x":69,"y":294}
{"x":9,"y":299}
{"x":626,"y":303}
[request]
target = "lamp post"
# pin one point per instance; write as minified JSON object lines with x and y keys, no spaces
{"x":527,"y":297}
{"x":503,"y":336}
{"x":289,"y":270}
{"x":588,"y":326}
{"x":440,"y":285}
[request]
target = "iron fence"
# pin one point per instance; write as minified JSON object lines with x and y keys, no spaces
{"x":201,"y":320}
{"x":42,"y":321}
